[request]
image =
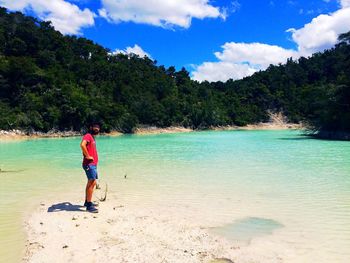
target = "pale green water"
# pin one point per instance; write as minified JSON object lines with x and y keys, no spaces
{"x":248,"y":228}
{"x":300,"y":185}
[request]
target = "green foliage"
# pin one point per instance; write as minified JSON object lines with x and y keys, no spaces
{"x":50,"y":81}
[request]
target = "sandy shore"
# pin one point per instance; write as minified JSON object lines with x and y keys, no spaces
{"x":121,"y":232}
{"x":126,"y":229}
{"x":261,"y":126}
{"x":146,"y":130}
{"x":22,"y":135}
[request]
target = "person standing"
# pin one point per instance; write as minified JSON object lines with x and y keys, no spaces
{"x":90,"y":161}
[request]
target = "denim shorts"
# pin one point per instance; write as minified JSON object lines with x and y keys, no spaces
{"x":91,"y":171}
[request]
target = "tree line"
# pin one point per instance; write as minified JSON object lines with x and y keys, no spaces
{"x":50,"y":81}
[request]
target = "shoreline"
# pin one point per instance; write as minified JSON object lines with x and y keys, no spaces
{"x":146,"y":130}
{"x":120,"y":232}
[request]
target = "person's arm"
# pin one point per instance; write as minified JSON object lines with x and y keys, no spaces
{"x":85,"y":151}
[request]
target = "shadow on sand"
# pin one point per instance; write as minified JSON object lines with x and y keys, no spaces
{"x":66,"y":206}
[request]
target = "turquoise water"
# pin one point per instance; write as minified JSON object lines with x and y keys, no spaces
{"x":302,"y":185}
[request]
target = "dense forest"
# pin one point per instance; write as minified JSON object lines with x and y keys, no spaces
{"x":50,"y":81}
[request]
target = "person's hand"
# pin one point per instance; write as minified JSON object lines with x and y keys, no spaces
{"x":90,"y":158}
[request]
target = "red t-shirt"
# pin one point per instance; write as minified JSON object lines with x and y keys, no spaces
{"x":91,"y":148}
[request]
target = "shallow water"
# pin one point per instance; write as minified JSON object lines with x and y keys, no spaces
{"x":226,"y":178}
{"x":246,"y":229}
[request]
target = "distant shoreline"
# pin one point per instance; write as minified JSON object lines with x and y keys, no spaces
{"x":145,"y":130}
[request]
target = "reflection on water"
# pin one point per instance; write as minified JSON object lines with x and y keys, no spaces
{"x":254,"y":179}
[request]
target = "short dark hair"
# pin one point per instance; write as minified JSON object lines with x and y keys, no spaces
{"x":94,"y":123}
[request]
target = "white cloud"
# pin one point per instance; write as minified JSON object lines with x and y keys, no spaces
{"x":137,"y":50}
{"x":238,"y":60}
{"x":255,"y":54}
{"x":322,"y":32}
{"x":221,"y":71}
{"x":165,"y":13}
{"x":345,"y":3}
{"x":65,"y":17}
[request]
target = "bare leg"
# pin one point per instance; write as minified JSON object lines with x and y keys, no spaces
{"x":89,"y":190}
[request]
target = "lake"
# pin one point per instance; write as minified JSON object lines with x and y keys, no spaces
{"x":276,"y":189}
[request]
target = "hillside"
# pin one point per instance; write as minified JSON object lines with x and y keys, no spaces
{"x":50,"y":81}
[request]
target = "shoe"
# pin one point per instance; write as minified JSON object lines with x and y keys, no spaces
{"x":92,"y":209}
{"x":92,"y":203}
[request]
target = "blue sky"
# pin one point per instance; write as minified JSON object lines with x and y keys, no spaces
{"x":214,"y":40}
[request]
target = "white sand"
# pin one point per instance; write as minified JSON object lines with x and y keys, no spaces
{"x":144,"y":130}
{"x":126,"y":232}
{"x":277,"y":122}
{"x":118,"y":233}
